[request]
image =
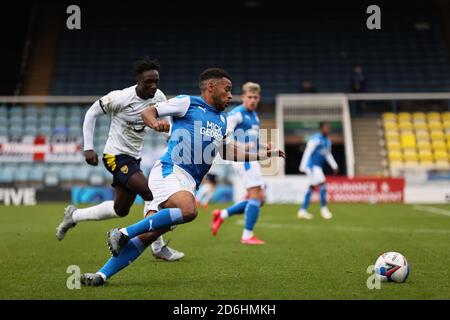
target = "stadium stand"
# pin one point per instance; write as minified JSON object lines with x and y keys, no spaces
{"x":52,"y":123}
{"x":409,"y":54}
{"x":417,"y":139}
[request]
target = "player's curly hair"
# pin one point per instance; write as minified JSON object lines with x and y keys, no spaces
{"x":212,"y":73}
{"x":144,"y":64}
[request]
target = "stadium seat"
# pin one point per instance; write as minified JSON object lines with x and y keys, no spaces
{"x":410,"y":156}
{"x":419,"y":117}
{"x":30,"y":130}
{"x":390,"y":126}
{"x":446,"y":125}
{"x":439,"y":145}
{"x":434,"y":117}
{"x":423,"y":145}
{"x":395,"y":156}
{"x":392,"y":145}
{"x":405,"y":125}
{"x":37,"y":174}
{"x":389,"y":116}
{"x":425,"y":156}
{"x":437,"y":135}
{"x":422,"y":135}
{"x":408,"y":140}
{"x":392,"y":135}
{"x":420,"y":126}
{"x":441,"y":156}
{"x":446,"y":116}
{"x":404,"y":116}
{"x":435,"y":125}
{"x":7,"y":174}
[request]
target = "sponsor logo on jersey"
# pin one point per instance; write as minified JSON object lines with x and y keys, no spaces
{"x":212,"y":130}
{"x":124,"y":169}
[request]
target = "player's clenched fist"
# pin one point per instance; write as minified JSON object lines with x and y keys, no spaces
{"x":162,"y":126}
{"x":91,"y":157}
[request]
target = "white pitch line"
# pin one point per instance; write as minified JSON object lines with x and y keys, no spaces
{"x":301,"y":225}
{"x":429,"y":209}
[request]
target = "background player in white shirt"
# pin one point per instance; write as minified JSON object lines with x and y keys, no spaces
{"x":317,"y":151}
{"x":122,"y":151}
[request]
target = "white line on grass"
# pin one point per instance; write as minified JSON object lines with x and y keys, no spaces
{"x":429,"y":209}
{"x":302,"y":225}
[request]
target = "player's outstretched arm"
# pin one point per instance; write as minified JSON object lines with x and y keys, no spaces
{"x":88,"y":132}
{"x":234,"y":152}
{"x":150,"y":117}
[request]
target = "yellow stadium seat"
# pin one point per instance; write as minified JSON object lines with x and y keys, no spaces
{"x":422,"y":135}
{"x":408,"y":140}
{"x":441,"y":156}
{"x":393,"y":145}
{"x":426,"y":156}
{"x":390,"y":125}
{"x":419,"y":116}
{"x":404,"y":116}
{"x":433,"y":116}
{"x":437,"y":135}
{"x":448,"y":144}
{"x":392,"y":135}
{"x":395,"y":156}
{"x":423,"y":145}
{"x":420,"y":126}
{"x":439,"y":145}
{"x":389,"y":116}
{"x":446,"y":124}
{"x":435,"y":125}
{"x":446,"y":116}
{"x":410,"y":156}
{"x":405,"y":125}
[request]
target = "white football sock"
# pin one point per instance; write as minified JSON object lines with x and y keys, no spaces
{"x":102,"y":211}
{"x":224,"y":213}
{"x":157,"y":244}
{"x":247,"y":234}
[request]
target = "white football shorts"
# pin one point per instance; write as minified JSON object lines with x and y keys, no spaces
{"x":315,"y":175}
{"x":162,"y":188}
{"x":250,"y":173}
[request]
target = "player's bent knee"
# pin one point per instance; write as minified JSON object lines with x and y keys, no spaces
{"x":121,"y":212}
{"x":189,"y":213}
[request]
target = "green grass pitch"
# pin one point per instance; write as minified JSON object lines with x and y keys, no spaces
{"x":302,"y":259}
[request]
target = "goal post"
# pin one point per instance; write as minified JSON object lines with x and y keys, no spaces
{"x":291,"y":108}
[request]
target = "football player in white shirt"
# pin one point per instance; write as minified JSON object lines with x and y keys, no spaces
{"x":122,"y":152}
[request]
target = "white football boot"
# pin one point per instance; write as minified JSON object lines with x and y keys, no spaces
{"x":303,"y":214}
{"x":325,"y":213}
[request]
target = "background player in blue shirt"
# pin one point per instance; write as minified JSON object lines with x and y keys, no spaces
{"x":243,"y":124}
{"x":317,"y":151}
{"x":198,"y":133}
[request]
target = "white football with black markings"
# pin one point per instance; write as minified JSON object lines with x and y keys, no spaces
{"x":392,"y":267}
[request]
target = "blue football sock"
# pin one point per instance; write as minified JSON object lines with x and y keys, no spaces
{"x":128,"y":254}
{"x":323,"y":196}
{"x":237,"y":208}
{"x":251,"y":213}
{"x":307,"y":199}
{"x":162,"y":219}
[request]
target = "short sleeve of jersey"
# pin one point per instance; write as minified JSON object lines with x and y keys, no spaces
{"x":112,"y":102}
{"x":233,"y":119}
{"x":175,"y":107}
